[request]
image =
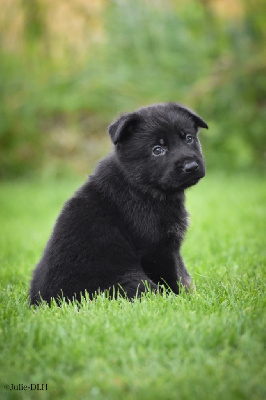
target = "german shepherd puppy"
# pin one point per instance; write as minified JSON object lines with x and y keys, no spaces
{"x":122,"y":230}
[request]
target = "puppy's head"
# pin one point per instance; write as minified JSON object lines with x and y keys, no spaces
{"x":158,"y":147}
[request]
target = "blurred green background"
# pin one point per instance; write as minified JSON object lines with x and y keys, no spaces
{"x":67,"y":68}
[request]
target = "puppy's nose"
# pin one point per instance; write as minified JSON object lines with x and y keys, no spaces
{"x":190,"y":166}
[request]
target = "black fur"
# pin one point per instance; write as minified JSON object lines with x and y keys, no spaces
{"x":126,"y":224}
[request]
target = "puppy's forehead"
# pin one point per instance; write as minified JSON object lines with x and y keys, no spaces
{"x":182,"y":121}
{"x":167,"y":120}
{"x":179,"y":117}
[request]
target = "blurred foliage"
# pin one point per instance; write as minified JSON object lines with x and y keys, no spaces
{"x":54,"y":110}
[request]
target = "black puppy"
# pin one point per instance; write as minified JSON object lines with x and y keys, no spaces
{"x":122,"y":230}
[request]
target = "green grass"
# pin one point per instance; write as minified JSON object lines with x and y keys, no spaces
{"x":208,"y":345}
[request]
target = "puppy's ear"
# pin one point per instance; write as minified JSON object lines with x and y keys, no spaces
{"x":197,"y":119}
{"x":122,"y":126}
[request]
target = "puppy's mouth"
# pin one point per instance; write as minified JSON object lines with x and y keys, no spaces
{"x":190,"y":183}
{"x":176,"y":186}
{"x":190,"y":179}
{"x":179,"y":181}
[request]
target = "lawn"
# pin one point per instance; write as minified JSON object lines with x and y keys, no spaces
{"x":208,"y":345}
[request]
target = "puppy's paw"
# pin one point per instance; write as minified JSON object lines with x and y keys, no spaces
{"x":188,"y":284}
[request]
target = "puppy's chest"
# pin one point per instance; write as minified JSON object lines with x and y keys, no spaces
{"x":151,"y":224}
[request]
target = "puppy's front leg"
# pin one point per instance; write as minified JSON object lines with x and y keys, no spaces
{"x":167,"y":267}
{"x":183,"y":275}
{"x":134,"y":283}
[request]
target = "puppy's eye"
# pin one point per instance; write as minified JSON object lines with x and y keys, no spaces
{"x":158,"y":151}
{"x":189,"y":139}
